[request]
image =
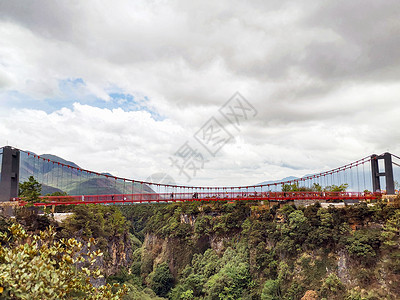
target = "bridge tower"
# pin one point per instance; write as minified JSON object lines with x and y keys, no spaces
{"x":9,"y":176}
{"x":388,"y":173}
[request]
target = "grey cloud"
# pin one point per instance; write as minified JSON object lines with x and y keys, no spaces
{"x":52,"y":19}
{"x":312,"y":70}
{"x":368,"y":49}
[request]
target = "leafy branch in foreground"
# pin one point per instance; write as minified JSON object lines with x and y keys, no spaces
{"x":36,"y":266}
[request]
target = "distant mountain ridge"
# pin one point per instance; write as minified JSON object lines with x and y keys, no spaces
{"x":55,"y":178}
{"x":290,"y":178}
{"x":59,"y":159}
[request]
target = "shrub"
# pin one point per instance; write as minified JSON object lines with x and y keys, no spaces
{"x":162,"y":280}
{"x":39,"y":267}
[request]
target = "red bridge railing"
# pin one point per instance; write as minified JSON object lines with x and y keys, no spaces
{"x":199,"y":196}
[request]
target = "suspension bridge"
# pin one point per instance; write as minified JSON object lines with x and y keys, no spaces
{"x":365,"y":179}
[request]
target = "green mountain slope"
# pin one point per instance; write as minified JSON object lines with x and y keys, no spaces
{"x":55,"y":178}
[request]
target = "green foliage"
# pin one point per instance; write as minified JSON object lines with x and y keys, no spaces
{"x":194,"y":277}
{"x":316,"y":187}
{"x":212,"y":277}
{"x":30,"y":190}
{"x":166,"y":221}
{"x":138,"y":217}
{"x":276,"y":253}
{"x":40,"y":267}
{"x":294,"y":187}
{"x":286,"y":210}
{"x":162,"y":280}
{"x":99,"y":221}
{"x":203,"y":225}
{"x":133,"y":283}
{"x":58,"y":194}
{"x":287,"y":250}
{"x":4,"y":224}
{"x":311,"y":269}
{"x":332,"y":287}
{"x":31,"y":220}
{"x":124,"y":276}
{"x":287,"y":187}
{"x":391,"y":231}
{"x":362,"y":245}
{"x":232,"y":280}
{"x":359,"y":214}
{"x":391,"y":240}
{"x":231,"y":219}
{"x":326,"y":218}
{"x":360,"y":294}
{"x":337,"y":188}
{"x":135,"y":292}
{"x":295,"y":290}
{"x":293,"y":233}
{"x":187,"y":295}
{"x":274,"y":288}
{"x":271,"y":290}
{"x":274,"y":240}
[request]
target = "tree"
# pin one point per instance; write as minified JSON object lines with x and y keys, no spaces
{"x":162,"y":281}
{"x":337,"y":188}
{"x":316,"y":187}
{"x":363,"y":245}
{"x":98,"y":221}
{"x":271,"y":290}
{"x":295,"y":188}
{"x":36,"y":266}
{"x":391,"y":231}
{"x":231,"y":282}
{"x":293,"y":233}
{"x":289,"y":187}
{"x":30,"y":190}
{"x":391,"y":236}
{"x":332,"y":287}
{"x":325,"y":217}
{"x":187,"y":295}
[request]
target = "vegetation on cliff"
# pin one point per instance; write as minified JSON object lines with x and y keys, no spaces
{"x":238,"y":250}
{"x":249,"y":251}
{"x":38,"y":266}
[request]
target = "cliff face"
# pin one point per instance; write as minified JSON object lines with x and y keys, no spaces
{"x":178,"y":252}
{"x":119,"y":254}
{"x":156,"y":250}
{"x":241,"y":250}
{"x":288,"y":249}
{"x":116,"y":256}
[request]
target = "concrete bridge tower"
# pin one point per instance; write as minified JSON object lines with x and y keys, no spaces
{"x":387,"y":173}
{"x":9,"y":176}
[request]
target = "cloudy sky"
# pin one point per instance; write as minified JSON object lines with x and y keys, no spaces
{"x":127,"y":86}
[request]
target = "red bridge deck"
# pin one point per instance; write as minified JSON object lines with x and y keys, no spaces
{"x":185,"y":197}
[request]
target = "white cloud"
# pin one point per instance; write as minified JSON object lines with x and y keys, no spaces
{"x":324,"y":85}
